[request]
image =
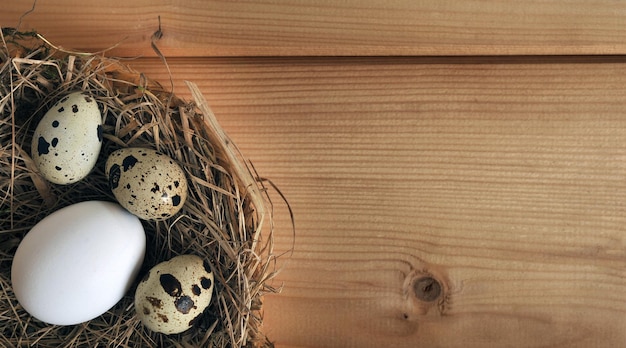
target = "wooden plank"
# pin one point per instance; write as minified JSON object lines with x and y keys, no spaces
{"x":329,"y":28}
{"x":503,"y":181}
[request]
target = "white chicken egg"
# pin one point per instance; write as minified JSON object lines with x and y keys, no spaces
{"x":78,"y":262}
{"x":172,"y":296}
{"x":147,"y":183}
{"x":67,"y":140}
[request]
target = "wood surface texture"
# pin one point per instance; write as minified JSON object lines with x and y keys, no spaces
{"x":502,"y":178}
{"x":330,"y":27}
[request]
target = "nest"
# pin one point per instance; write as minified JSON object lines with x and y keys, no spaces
{"x":225,"y":219}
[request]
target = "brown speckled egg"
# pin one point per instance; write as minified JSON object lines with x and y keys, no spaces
{"x":67,"y":140}
{"x":147,"y":183}
{"x":170,"y":298}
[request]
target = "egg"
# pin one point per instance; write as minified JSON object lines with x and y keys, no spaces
{"x":78,"y":262}
{"x":67,"y":140}
{"x":147,"y":183}
{"x":173,"y":294}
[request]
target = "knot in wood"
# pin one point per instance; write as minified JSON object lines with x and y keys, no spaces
{"x":427,"y":289}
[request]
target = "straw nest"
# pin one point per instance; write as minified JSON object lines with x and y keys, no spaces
{"x":224,"y":219}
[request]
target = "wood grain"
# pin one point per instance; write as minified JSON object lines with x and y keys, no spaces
{"x":503,"y":181}
{"x":501,"y":178}
{"x":329,"y":28}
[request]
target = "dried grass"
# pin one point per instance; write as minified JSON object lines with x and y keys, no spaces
{"x":223,"y":219}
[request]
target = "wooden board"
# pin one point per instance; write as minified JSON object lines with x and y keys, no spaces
{"x":329,"y":28}
{"x":502,"y":178}
{"x":505,"y":181}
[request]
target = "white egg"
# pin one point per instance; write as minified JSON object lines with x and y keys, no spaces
{"x":173,"y":295}
{"x":78,"y":262}
{"x":67,"y":140}
{"x":147,"y":183}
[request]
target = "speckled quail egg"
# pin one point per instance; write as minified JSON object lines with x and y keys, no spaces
{"x":147,"y":183}
{"x":173,"y":294}
{"x":67,"y":140}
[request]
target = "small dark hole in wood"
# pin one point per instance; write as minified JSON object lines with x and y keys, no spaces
{"x":427,"y":289}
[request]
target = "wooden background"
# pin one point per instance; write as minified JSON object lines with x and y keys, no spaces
{"x":480,"y":142}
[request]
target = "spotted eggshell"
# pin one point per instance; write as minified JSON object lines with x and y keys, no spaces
{"x":147,"y":183}
{"x":67,"y":140}
{"x":171,"y":297}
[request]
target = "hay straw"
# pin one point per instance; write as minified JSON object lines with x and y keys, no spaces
{"x":222,"y":220}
